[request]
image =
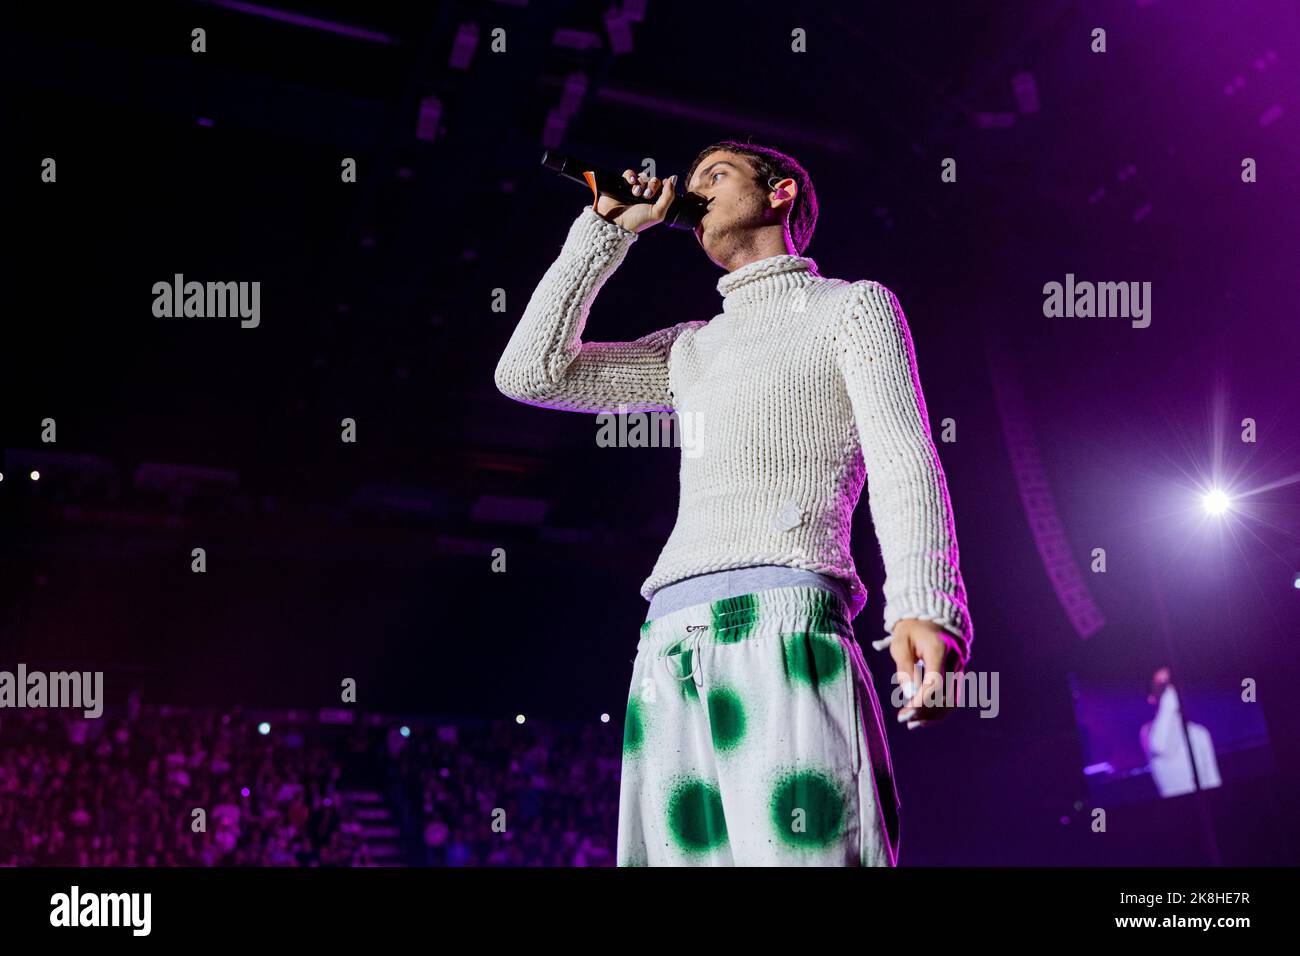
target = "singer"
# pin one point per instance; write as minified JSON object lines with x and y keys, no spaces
{"x":753,"y":734}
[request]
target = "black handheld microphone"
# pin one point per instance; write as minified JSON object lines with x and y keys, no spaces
{"x":686,"y":211}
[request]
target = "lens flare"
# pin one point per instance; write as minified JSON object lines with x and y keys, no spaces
{"x":1216,"y":502}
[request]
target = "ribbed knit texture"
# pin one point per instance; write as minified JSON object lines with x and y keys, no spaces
{"x":800,"y":389}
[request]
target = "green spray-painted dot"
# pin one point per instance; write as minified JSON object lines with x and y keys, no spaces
{"x":734,"y":618}
{"x":812,"y":659}
{"x":808,"y":809}
{"x":695,"y":816}
{"x":633,"y":728}
{"x":726,"y":718}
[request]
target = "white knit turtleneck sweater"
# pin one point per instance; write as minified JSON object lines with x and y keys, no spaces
{"x":802,"y":387}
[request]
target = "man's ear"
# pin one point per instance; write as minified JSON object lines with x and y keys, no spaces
{"x":784,"y":188}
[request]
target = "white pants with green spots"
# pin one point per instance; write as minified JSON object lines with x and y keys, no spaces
{"x":754,"y":737}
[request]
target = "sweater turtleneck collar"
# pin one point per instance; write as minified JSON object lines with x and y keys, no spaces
{"x":764,"y":279}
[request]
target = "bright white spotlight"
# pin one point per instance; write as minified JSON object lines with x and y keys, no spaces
{"x":1216,"y":502}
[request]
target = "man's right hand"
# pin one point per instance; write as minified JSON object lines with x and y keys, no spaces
{"x":641,"y":215}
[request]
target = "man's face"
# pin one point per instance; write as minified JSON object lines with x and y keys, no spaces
{"x":736,"y":202}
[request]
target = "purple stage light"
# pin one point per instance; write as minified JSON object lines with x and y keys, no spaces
{"x":301,"y":20}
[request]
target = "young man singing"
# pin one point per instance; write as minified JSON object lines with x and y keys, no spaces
{"x":753,"y":734}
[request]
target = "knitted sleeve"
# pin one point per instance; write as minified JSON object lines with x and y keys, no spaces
{"x":907,"y":491}
{"x":546,"y":363}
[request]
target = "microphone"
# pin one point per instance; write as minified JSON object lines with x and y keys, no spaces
{"x":685,"y":212}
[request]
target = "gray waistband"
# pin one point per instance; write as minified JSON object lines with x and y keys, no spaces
{"x":704,"y":588}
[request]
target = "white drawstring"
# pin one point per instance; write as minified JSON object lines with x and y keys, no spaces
{"x":695,"y":660}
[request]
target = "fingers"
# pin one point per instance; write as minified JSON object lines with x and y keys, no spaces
{"x":647,"y":187}
{"x":643,"y":184}
{"x":660,"y":193}
{"x":933,"y":705}
{"x":925,"y":717}
{"x":932,"y":654}
{"x":905,"y":669}
{"x":919,"y":663}
{"x":666,"y":197}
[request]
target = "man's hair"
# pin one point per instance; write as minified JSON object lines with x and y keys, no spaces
{"x":771,"y":165}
